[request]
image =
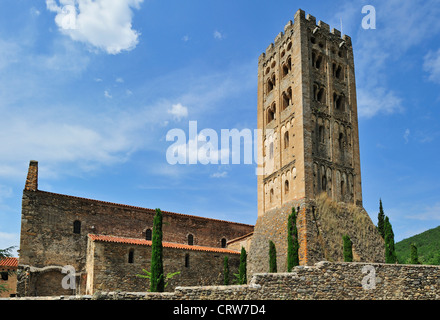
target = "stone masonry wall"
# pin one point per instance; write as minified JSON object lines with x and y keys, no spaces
{"x":323,"y":281}
{"x":111,"y":271}
{"x":47,"y":236}
{"x":320,"y":224}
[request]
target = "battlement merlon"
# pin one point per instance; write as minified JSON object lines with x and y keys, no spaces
{"x":322,"y":27}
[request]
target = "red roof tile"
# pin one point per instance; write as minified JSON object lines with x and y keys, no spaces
{"x":9,"y":262}
{"x":240,"y":238}
{"x":134,"y":241}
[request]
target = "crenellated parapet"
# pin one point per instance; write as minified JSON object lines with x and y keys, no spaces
{"x":319,"y":28}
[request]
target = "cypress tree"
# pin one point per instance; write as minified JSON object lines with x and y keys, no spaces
{"x":414,"y":254}
{"x":380,"y":220}
{"x":157,"y":283}
{"x":348,"y":248}
{"x":292,"y":242}
{"x":225,"y":271}
{"x":272,"y":257}
{"x":390,"y":254}
{"x":242,"y":276}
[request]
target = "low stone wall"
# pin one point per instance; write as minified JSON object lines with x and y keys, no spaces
{"x":323,"y":281}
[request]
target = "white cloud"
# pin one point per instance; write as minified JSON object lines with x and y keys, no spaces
{"x":103,"y":24}
{"x":178,"y":111}
{"x":406,"y":135}
{"x":373,"y":100}
{"x":223,"y":174}
{"x":431,"y":212}
{"x":398,"y":30}
{"x":432,"y":65}
{"x":5,"y":192}
{"x":218,"y":35}
{"x":8,"y":240}
{"x":107,"y":94}
{"x":8,"y":53}
{"x":85,"y":139}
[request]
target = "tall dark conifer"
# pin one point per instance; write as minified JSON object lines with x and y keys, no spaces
{"x":157,"y":283}
{"x":390,"y":254}
{"x":292,"y":242}
{"x":414,"y":254}
{"x":381,"y":220}
{"x":242,"y":273}
{"x":272,"y":257}
{"x":348,"y":249}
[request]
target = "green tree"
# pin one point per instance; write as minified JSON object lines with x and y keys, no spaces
{"x":272,"y":257}
{"x":147,"y":275}
{"x":390,"y":254}
{"x":414,"y":254}
{"x":242,"y":276}
{"x":381,"y":220}
{"x":226,"y":271}
{"x":292,"y":242}
{"x":5,"y":253}
{"x":348,"y":248}
{"x":157,"y":283}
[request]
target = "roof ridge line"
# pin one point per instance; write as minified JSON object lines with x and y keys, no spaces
{"x":142,"y":208}
{"x":175,"y":245}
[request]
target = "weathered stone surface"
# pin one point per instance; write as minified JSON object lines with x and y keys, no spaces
{"x":307,"y":113}
{"x":323,"y":281}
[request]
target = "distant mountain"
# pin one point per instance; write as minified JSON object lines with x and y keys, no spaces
{"x":428,"y":247}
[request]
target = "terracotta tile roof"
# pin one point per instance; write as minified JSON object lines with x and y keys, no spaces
{"x":9,"y":262}
{"x":141,"y":242}
{"x":240,"y":238}
{"x":140,"y":208}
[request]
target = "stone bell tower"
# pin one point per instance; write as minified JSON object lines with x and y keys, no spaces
{"x":307,"y":113}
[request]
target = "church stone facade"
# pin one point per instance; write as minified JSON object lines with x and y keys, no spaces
{"x":108,"y":244}
{"x":308,"y":160}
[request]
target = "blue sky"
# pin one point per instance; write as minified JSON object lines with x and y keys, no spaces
{"x":92,"y":100}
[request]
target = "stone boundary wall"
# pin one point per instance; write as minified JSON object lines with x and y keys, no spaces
{"x":323,"y":281}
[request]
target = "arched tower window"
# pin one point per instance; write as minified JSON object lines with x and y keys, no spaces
{"x":77,"y":227}
{"x":321,"y":134}
{"x":324,"y":183}
{"x":286,"y":139}
{"x":131,"y":256}
{"x":148,"y":234}
{"x":342,"y":189}
{"x":271,"y":150}
{"x":341,"y":141}
{"x":187,"y":260}
{"x":223,"y":243}
{"x":320,"y":96}
{"x":190,"y":239}
{"x":271,"y":83}
{"x":286,"y":187}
